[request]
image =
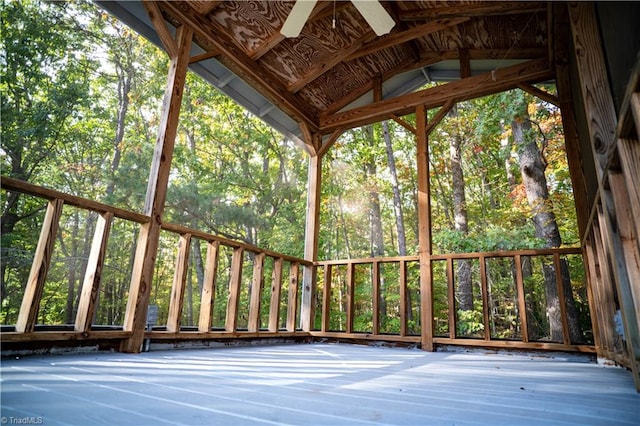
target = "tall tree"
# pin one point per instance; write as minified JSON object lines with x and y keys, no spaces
{"x":45,"y":81}
{"x":532,"y":169}
{"x":456,"y":143}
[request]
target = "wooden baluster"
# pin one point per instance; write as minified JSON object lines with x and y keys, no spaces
{"x":485,"y":298}
{"x":451,"y":287}
{"x":209,"y":286}
{"x":179,"y":280}
{"x":39,"y":268}
{"x":91,"y":283}
{"x":257,"y":283}
{"x":350,"y":295}
{"x":326,"y":298}
{"x":237,"y":259}
{"x":522,"y":302}
{"x":375,"y":275}
{"x":276,"y":287}
{"x":403,"y":297}
{"x":292,"y":307}
{"x":561,"y":299}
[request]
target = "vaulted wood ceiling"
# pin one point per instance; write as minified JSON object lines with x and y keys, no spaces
{"x":331,"y":78}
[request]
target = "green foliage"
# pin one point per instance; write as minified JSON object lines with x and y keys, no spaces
{"x":469,"y":322}
{"x":81,"y":97}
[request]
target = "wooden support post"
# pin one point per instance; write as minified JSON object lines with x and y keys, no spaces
{"x":424,"y":230}
{"x":375,"y":278}
{"x":91,"y":283}
{"x":39,"y":268}
{"x":598,"y":102}
{"x":179,"y":280}
{"x":209,"y":286}
{"x":144,"y":263}
{"x":326,"y":299}
{"x":485,"y":298}
{"x":311,"y":241}
{"x":235,"y":281}
{"x":602,"y":124}
{"x":276,"y":287}
{"x":292,"y":305}
{"x":403,"y":297}
{"x":575,"y":158}
{"x":257,"y":282}
{"x":629,"y":151}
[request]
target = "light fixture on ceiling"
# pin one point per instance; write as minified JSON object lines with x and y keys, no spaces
{"x":371,"y":10}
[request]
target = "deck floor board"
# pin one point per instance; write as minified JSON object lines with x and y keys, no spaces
{"x":316,"y":384}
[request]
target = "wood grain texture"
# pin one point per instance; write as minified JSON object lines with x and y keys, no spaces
{"x":176,"y":299}
{"x":276,"y":288}
{"x":209,"y":286}
{"x":257,"y":283}
{"x":28,"y":314}
{"x":469,"y":88}
{"x":235,"y":282}
{"x":93,"y":273}
{"x":292,"y":300}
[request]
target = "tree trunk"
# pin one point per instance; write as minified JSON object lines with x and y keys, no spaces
{"x":397,"y":210}
{"x":532,"y":170}
{"x":465,"y":285}
{"x":125,"y":72}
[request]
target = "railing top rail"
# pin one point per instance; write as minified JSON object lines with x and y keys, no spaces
{"x":15,"y":185}
{"x":390,"y":259}
{"x":445,"y":256}
{"x":179,"y":229}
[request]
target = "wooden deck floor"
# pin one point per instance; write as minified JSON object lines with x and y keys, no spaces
{"x":309,"y":384}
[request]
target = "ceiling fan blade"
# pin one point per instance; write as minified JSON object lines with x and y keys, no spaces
{"x":297,"y":18}
{"x":375,"y":15}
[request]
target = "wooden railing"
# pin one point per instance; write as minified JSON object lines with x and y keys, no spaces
{"x":362,"y":282}
{"x":362,"y":299}
{"x":283,"y":310}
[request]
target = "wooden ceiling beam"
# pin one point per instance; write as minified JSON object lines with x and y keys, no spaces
{"x":362,"y":48}
{"x":319,"y":11}
{"x":435,"y":57}
{"x":539,"y":93}
{"x":405,"y":36}
{"x":203,"y":56}
{"x":160,"y":25}
{"x":207,"y":6}
{"x":472,"y":10}
{"x":324,"y":66}
{"x":233,"y":57}
{"x":465,"y":89}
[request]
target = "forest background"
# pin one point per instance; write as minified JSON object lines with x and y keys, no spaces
{"x":81,"y":99}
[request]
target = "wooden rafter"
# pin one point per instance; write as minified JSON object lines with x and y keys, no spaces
{"x":411,"y":64}
{"x":472,"y":10}
{"x":207,"y":7}
{"x":545,"y":96}
{"x":161,"y":28}
{"x":321,"y":68}
{"x":238,"y":61}
{"x":444,"y":110}
{"x":406,"y":36}
{"x":469,"y":88}
{"x":319,"y":12}
{"x":203,"y":56}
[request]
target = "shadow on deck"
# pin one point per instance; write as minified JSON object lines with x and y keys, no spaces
{"x":309,"y":384}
